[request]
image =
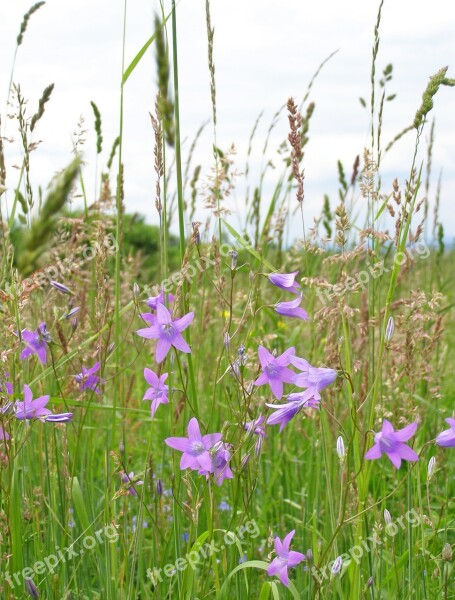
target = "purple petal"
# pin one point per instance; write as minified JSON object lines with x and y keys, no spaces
{"x":407,"y":453}
{"x":277,"y":388}
{"x":395,"y":458}
{"x":284,"y":575}
{"x":287,"y":540}
{"x":274,"y":567}
{"x":178,"y":443}
{"x":163,"y":315}
{"x":194,"y":432}
{"x":265,"y":357}
{"x":162,"y":348}
{"x":151,"y":378}
{"x":374,"y":452}
{"x":279,"y":546}
{"x":211,"y":439}
{"x":403,"y":435}
{"x":285,"y":358}
{"x":261,"y":380}
{"x":179,"y":343}
{"x":387,"y":427}
{"x":295,"y":558}
{"x":150,"y":333}
{"x":183,"y":322}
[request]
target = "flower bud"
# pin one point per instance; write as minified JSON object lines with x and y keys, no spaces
{"x":431,"y":467}
{"x":60,"y":287}
{"x":387,"y":517}
{"x":31,"y":588}
{"x":341,"y":450}
{"x":336,"y":567}
{"x":389,"y":329}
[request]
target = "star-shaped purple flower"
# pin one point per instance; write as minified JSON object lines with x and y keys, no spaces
{"x":285,"y":281}
{"x":312,"y":377}
{"x":37,"y":342}
{"x":391,"y":442}
{"x":447,"y":437}
{"x":285,"y":558}
{"x":195,"y":447}
{"x":87,"y":380}
{"x":274,"y":371}
{"x":292,"y":309}
{"x":36,"y":409}
{"x":158,"y":390}
{"x":167,"y":331}
{"x":32,"y":409}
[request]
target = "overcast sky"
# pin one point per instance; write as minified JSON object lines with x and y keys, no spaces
{"x":264,"y":51}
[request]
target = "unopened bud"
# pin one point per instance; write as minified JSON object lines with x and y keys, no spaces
{"x":136,"y":290}
{"x":341,"y":450}
{"x":159,"y":488}
{"x":227,"y":340}
{"x":389,"y":329}
{"x":31,"y":588}
{"x":387,"y":517}
{"x":431,"y":467}
{"x":336,"y":567}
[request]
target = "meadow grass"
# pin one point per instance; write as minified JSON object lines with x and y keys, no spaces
{"x":96,"y":505}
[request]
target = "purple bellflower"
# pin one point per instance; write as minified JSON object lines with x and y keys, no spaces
{"x":274,"y":370}
{"x":392,"y":443}
{"x":36,"y":409}
{"x":158,"y":390}
{"x":285,"y":558}
{"x":87,"y":380}
{"x":285,"y":281}
{"x":32,"y":409}
{"x":312,"y":377}
{"x":167,"y":331}
{"x":292,"y":309}
{"x":195,"y":447}
{"x":256,"y":426}
{"x":447,"y":437}
{"x":3,"y":434}
{"x":310,"y":398}
{"x":37,"y":342}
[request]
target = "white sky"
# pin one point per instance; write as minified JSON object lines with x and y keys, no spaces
{"x":265,"y":51}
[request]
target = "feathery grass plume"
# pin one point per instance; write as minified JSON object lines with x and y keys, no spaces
{"x":294,"y":137}
{"x":433,"y":86}
{"x":115,"y":145}
{"x":166,"y":108}
{"x":342,"y":225}
{"x":158,"y":152}
{"x":41,"y":104}
{"x":25,"y":21}
{"x":35,"y":243}
{"x":99,"y":137}
{"x":210,"y":36}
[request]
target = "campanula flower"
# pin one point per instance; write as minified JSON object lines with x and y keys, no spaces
{"x":87,"y":380}
{"x":167,"y":331}
{"x":310,"y":376}
{"x":447,"y":437}
{"x":37,"y":342}
{"x":195,"y":447}
{"x":274,"y":370}
{"x":158,"y":390}
{"x":285,"y":558}
{"x":392,"y":443}
{"x":285,"y":281}
{"x":292,"y":309}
